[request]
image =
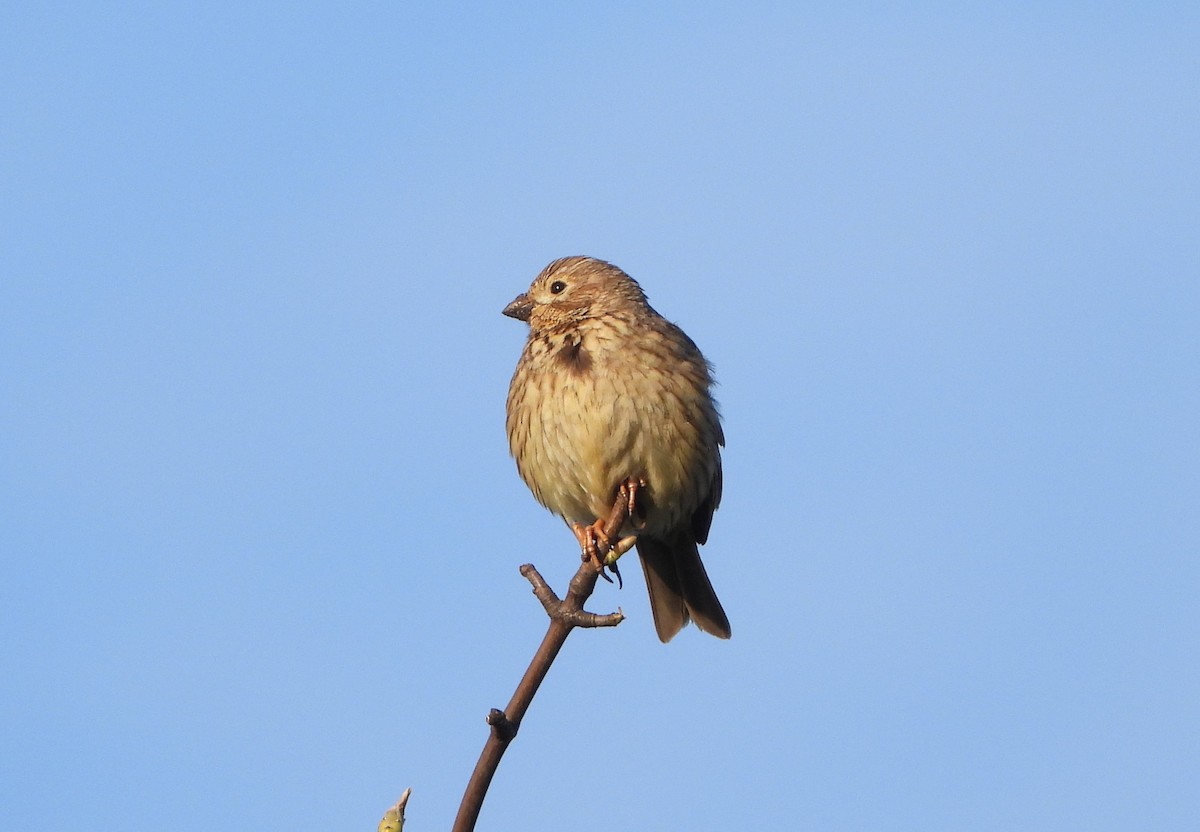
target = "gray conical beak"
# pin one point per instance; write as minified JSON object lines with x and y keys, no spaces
{"x":519,"y":308}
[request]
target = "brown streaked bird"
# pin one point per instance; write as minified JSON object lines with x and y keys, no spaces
{"x":608,"y":392}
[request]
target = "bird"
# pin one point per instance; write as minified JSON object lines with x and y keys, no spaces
{"x":608,"y":393}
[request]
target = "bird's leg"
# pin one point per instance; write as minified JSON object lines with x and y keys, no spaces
{"x":596,"y":542}
{"x":631,"y":487}
{"x":590,"y":539}
{"x":628,"y":493}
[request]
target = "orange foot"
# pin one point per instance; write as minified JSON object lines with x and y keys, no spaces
{"x":590,"y":538}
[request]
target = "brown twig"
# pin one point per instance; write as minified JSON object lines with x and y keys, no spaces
{"x":565,"y":615}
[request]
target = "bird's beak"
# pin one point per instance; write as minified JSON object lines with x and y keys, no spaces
{"x":519,"y":308}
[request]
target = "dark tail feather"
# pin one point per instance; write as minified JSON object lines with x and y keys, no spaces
{"x":679,"y":588}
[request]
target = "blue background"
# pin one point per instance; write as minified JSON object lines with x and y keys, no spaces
{"x":258,"y":524}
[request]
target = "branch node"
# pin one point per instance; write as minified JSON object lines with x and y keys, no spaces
{"x":503,"y":729}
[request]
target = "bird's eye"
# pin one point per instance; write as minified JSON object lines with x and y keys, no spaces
{"x":557,"y":287}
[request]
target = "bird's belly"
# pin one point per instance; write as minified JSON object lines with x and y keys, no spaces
{"x":593,"y":435}
{"x":581,"y":451}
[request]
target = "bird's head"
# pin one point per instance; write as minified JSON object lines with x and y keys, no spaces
{"x":573,"y":289}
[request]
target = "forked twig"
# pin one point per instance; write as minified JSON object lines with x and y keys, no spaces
{"x":565,"y":615}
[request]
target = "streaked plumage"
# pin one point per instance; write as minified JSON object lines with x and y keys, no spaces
{"x":607,"y":389}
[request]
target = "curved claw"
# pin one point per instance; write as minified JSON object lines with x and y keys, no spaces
{"x":612,"y":567}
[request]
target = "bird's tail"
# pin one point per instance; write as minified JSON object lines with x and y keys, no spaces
{"x":679,"y":587}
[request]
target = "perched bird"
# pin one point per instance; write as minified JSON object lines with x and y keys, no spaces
{"x":608,"y":392}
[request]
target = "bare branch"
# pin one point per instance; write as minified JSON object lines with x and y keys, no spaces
{"x":565,"y":615}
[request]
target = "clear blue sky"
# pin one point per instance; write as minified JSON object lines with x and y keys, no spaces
{"x":258,"y":524}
